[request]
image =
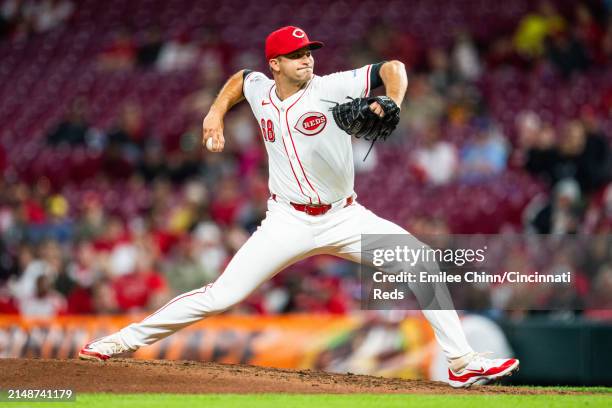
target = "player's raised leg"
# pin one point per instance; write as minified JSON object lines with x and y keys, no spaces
{"x":278,"y":243}
{"x":465,"y":366}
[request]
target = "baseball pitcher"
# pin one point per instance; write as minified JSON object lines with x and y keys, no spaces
{"x":306,"y":123}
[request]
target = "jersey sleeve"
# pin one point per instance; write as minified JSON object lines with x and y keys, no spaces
{"x":356,"y":83}
{"x":254,"y":84}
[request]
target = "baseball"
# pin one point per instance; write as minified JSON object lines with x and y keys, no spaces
{"x":209,"y":144}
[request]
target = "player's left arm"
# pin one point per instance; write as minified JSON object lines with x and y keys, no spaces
{"x":394,"y":78}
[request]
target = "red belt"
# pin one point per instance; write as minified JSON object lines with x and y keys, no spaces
{"x":315,"y":209}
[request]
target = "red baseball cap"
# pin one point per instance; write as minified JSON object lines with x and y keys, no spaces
{"x":287,"y":39}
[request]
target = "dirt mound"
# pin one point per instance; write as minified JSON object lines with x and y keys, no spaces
{"x":140,"y":376}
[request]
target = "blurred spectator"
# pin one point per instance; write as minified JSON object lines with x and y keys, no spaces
{"x":48,"y":14}
{"x":227,"y":202}
{"x":119,"y":54}
{"x":562,"y":215}
{"x":125,"y":142}
{"x":589,"y":33}
{"x":484,"y":156}
{"x":129,"y":133}
{"x":567,"y":53}
{"x":541,"y":153}
{"x":436,"y":161}
{"x":184,"y":271}
{"x":606,"y":43}
{"x":423,"y":104}
{"x":602,"y":287}
{"x":153,"y":164}
{"x":59,"y":226}
{"x":92,"y":222}
{"x":583,"y":157}
{"x":535,"y":27}
{"x":177,"y":54}
{"x":209,"y":247}
{"x":502,"y":53}
{"x":215,"y":57}
{"x":19,"y":18}
{"x":9,"y":14}
{"x":441,"y":75}
{"x":143,"y":289}
{"x":383,"y":43}
{"x":72,"y":130}
{"x":45,"y":301}
{"x":466,"y":62}
{"x":148,"y":51}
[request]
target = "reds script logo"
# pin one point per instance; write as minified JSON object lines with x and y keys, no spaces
{"x":311,"y":123}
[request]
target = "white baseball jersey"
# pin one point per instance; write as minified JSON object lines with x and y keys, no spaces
{"x":311,"y":161}
{"x":310,"y":157}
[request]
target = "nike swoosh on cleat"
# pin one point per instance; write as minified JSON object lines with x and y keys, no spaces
{"x":481,"y":371}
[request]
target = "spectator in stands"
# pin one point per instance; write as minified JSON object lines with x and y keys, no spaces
{"x":184,"y":163}
{"x":119,"y":54}
{"x":441,"y":74}
{"x":129,"y":133}
{"x":501,"y":52}
{"x":567,"y":53}
{"x":436,"y":161}
{"x":539,"y":145}
{"x":148,"y":51}
{"x":184,"y":271}
{"x":214,"y":57}
{"x":81,"y":276}
{"x":177,"y":54}
{"x":562,"y":215}
{"x":423,"y":104}
{"x":10,"y":12}
{"x":600,"y":299}
{"x":46,"y":302}
{"x":583,"y":157}
{"x":92,"y":222}
{"x":227,"y":202}
{"x":59,"y":226}
{"x":606,"y":43}
{"x":125,"y":142}
{"x":141,"y":290}
{"x":589,"y":33}
{"x":535,"y":27}
{"x":208,"y":244}
{"x":49,"y":14}
{"x":466,"y":61}
{"x":153,"y":163}
{"x":72,"y":130}
{"x":485,"y":155}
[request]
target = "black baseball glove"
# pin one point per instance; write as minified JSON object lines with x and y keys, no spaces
{"x":357,"y":119}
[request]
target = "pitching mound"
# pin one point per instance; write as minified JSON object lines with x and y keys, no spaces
{"x":160,"y":376}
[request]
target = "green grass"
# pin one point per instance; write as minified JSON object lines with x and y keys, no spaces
{"x":316,"y":401}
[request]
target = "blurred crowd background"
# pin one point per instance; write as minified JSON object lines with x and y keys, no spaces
{"x":109,"y":204}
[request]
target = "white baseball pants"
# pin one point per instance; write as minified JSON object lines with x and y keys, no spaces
{"x":285,"y":237}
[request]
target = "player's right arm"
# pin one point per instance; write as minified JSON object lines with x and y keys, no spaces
{"x":230,"y":95}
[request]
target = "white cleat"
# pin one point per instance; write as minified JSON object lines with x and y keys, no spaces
{"x":481,"y":370}
{"x":104,"y":348}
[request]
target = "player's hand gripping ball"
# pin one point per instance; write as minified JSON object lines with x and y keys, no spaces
{"x":357,"y":118}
